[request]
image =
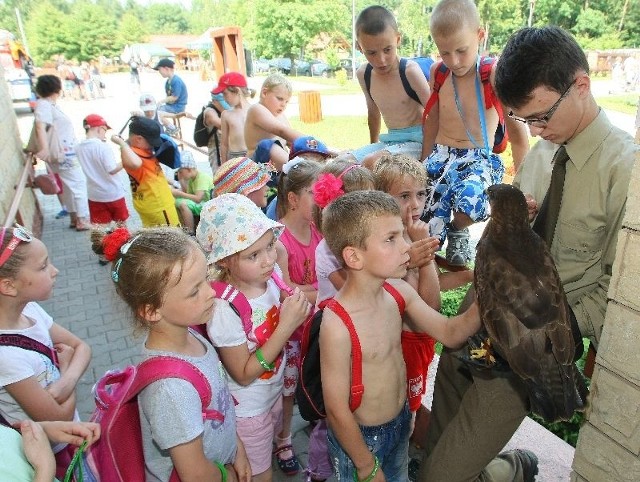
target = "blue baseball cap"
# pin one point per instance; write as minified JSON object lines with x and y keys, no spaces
{"x":308,"y":144}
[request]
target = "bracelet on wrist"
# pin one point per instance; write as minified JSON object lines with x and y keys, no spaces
{"x":263,"y":363}
{"x":370,"y":477}
{"x":223,"y":470}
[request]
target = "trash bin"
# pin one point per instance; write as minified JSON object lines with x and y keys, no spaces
{"x":310,"y":106}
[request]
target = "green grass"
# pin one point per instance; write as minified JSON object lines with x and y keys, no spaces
{"x":341,"y":132}
{"x":626,"y":103}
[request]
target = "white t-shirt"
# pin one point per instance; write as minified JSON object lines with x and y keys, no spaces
{"x":18,"y":364}
{"x":48,"y":113}
{"x":225,"y":329}
{"x":326,"y":263}
{"x":97,"y":160}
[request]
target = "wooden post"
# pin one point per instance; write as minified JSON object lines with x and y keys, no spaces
{"x":310,"y":106}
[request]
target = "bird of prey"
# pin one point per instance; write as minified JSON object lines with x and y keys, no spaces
{"x":524,"y":308}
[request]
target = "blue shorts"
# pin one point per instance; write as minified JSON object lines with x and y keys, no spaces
{"x":172,"y":108}
{"x":397,"y":141}
{"x":458,"y":179}
{"x":389,"y":442}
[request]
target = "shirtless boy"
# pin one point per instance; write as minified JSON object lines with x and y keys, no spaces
{"x":364,"y":229}
{"x":459,"y":166}
{"x":267,"y":120}
{"x":378,"y":39}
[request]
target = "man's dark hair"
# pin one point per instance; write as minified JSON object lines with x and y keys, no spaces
{"x":48,"y":85}
{"x":374,"y":20}
{"x":533,"y":57}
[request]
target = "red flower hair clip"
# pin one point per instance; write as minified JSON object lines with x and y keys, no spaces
{"x":113,"y":241}
{"x":329,"y":187}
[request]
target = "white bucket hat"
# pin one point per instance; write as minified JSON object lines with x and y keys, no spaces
{"x":231,"y":223}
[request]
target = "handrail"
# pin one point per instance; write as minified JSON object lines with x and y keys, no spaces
{"x":17,"y":197}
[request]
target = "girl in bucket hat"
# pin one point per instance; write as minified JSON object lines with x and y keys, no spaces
{"x":242,"y":176}
{"x":240,"y":243}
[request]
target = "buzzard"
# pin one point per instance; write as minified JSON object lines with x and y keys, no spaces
{"x":524,"y":308}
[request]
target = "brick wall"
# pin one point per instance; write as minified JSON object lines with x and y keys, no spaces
{"x":609,"y":444}
{"x":12,"y":162}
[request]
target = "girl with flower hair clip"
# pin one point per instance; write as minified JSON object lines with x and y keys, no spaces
{"x":335,"y":179}
{"x":161,"y":274}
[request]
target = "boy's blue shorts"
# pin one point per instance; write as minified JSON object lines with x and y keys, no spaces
{"x":389,"y":442}
{"x":458,"y":179}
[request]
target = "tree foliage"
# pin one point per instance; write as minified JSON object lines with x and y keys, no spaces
{"x":81,"y":29}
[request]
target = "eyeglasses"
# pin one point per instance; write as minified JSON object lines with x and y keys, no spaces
{"x":20,"y":234}
{"x":541,"y":122}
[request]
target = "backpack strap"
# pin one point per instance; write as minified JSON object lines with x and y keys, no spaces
{"x":159,"y":367}
{"x":490,"y":97}
{"x":367,"y":79}
{"x":237,"y":300}
{"x":403,"y":77}
{"x":28,"y":343}
{"x":396,"y":296}
{"x":441,"y":73}
{"x":405,"y":82}
{"x":357,"y":388}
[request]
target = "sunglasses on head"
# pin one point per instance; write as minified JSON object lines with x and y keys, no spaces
{"x":19,"y":235}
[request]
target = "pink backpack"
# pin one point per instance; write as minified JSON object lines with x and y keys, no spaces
{"x":118,"y":456}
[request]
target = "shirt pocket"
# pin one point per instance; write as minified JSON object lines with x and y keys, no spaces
{"x":578,"y":244}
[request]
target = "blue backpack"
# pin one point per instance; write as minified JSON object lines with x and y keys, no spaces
{"x":168,"y":153}
{"x":425,"y":66}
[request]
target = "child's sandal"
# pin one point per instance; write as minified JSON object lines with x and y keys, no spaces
{"x":289,"y":466}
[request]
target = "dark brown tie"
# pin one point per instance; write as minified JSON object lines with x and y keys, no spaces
{"x":545,"y":223}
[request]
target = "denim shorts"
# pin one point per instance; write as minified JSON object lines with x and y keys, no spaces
{"x":389,"y":442}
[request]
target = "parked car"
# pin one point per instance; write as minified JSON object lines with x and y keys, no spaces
{"x":283,"y":65}
{"x":260,"y":66}
{"x":320,"y":69}
{"x":346,"y":65}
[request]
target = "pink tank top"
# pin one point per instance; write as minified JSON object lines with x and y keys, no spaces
{"x":302,"y":258}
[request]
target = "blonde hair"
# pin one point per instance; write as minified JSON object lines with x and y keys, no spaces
{"x":275,"y":80}
{"x":13,"y":264}
{"x":358,"y":179}
{"x":142,"y":274}
{"x":451,"y":16}
{"x":348,"y":219}
{"x":391,"y":168}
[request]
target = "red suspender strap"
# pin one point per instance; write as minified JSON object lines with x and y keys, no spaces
{"x":441,"y":73}
{"x":490,"y":98}
{"x":27,"y":343}
{"x":357,"y":388}
{"x":396,"y":296}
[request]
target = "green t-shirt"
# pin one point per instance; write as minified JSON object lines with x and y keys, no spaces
{"x":202,"y":182}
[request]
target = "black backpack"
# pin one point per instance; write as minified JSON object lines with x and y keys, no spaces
{"x":201,"y":133}
{"x":309,"y":389}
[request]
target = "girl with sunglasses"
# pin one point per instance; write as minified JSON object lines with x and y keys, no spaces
{"x":40,"y":361}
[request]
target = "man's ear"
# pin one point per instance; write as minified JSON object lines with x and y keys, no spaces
{"x":7,"y":287}
{"x":583,"y":84}
{"x":352,"y":258}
